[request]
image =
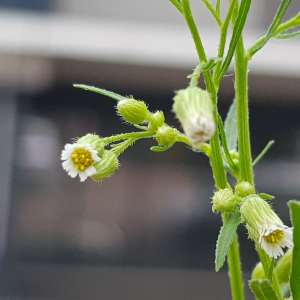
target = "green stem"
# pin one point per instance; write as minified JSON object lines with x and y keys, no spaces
{"x":223,"y":37}
{"x":122,"y":147}
{"x":123,"y":136}
{"x":234,"y":264}
{"x":241,"y":92}
{"x":187,"y":13}
{"x":268,"y":264}
{"x":215,"y":14}
{"x":288,"y":25}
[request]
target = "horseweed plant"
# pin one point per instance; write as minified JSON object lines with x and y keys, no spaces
{"x":227,"y":145}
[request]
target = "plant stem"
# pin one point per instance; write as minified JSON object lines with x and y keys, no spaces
{"x":234,"y":264}
{"x":123,"y":136}
{"x":241,"y":93}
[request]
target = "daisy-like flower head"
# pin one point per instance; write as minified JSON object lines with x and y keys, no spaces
{"x":193,"y":107}
{"x":265,"y":227}
{"x":80,"y":158}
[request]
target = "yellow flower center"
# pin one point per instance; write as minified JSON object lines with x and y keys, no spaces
{"x":82,"y":159}
{"x":274,"y":237}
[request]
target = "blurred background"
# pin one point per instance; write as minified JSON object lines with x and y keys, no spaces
{"x":148,"y":232}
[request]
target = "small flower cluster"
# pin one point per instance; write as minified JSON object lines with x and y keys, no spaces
{"x":264,"y":226}
{"x":87,"y":157}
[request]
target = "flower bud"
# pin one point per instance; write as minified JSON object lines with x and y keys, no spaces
{"x":166,"y":135}
{"x":258,"y":272}
{"x":265,"y":227}
{"x":283,"y":267}
{"x":235,"y":156}
{"x":244,"y":189}
{"x":94,"y":141}
{"x":224,"y":201}
{"x":156,"y":120}
{"x":194,"y":109}
{"x":133,"y":111}
{"x":106,"y":166}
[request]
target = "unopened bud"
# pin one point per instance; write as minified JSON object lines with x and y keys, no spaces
{"x":283,"y":267}
{"x":235,"y":156}
{"x":133,"y":111}
{"x":244,"y":189}
{"x":194,"y":109}
{"x":258,"y":272}
{"x":166,"y":136}
{"x":106,"y":166}
{"x":224,"y":201}
{"x":156,"y":120}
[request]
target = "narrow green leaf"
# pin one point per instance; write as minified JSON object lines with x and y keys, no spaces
{"x":236,"y":34}
{"x":295,"y":274}
{"x":285,"y":36}
{"x":262,"y":154}
{"x":262,"y":289}
{"x":100,"y":91}
{"x":159,"y":149}
{"x":225,"y":238}
{"x":266,"y":196}
{"x":230,"y":162}
{"x":230,"y":127}
{"x":276,"y":22}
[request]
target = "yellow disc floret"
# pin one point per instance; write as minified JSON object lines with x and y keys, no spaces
{"x":274,"y":237}
{"x":82,"y":159}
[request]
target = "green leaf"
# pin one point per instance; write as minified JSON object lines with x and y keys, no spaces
{"x":262,"y":154}
{"x":230,"y":127}
{"x":225,"y":238}
{"x":285,"y":36}
{"x":262,"y":289}
{"x":295,"y":274}
{"x":159,"y":149}
{"x":276,"y":22}
{"x":266,"y":196}
{"x":100,"y":91}
{"x":231,"y":164}
{"x":236,"y":34}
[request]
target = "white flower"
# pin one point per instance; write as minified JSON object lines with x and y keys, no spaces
{"x":79,"y":159}
{"x":199,"y":129}
{"x":274,"y":238}
{"x":265,"y":227}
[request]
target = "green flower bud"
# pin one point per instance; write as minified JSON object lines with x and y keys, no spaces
{"x":194,"y":109}
{"x":166,"y":135}
{"x":283,"y":267}
{"x":106,"y":166}
{"x":235,"y":156}
{"x":94,"y":141}
{"x":265,"y":227}
{"x":224,"y":201}
{"x":258,"y":272}
{"x":133,"y":111}
{"x":244,"y":189}
{"x":156,"y":120}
